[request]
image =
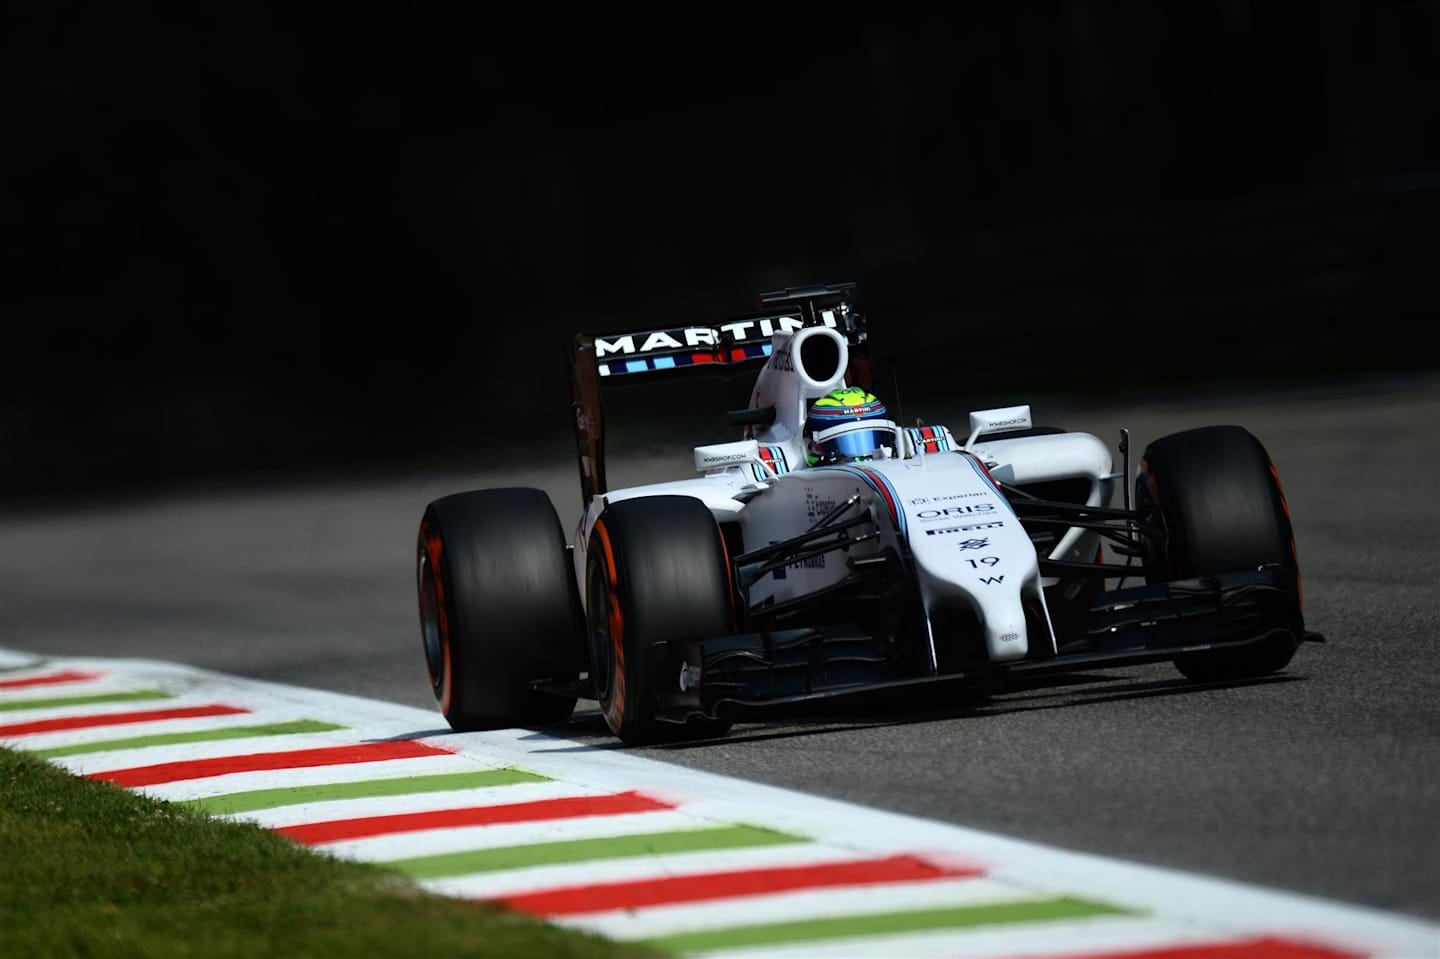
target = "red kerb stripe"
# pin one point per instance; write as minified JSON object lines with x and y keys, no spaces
{"x":542,"y":809}
{"x":669,"y":890}
{"x":1263,"y":948}
{"x":68,"y":676}
{"x":256,"y":762}
{"x":117,"y":719}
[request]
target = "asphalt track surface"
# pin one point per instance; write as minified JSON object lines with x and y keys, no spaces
{"x":1323,"y":780}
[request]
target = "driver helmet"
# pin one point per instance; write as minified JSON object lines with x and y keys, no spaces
{"x":847,"y":424}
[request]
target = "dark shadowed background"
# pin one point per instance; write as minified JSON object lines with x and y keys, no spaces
{"x":245,"y":240}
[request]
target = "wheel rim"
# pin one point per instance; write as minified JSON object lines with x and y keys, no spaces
{"x":603,"y":664}
{"x":430,"y":630}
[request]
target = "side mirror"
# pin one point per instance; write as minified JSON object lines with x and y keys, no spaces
{"x":720,"y":455}
{"x":999,"y":420}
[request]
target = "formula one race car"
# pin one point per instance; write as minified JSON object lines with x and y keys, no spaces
{"x":831,"y":551}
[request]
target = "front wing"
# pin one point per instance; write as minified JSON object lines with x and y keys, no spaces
{"x":781,"y":671}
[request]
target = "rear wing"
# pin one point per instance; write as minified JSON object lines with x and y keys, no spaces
{"x":599,"y":361}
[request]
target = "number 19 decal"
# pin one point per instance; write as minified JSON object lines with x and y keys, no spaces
{"x":983,"y":561}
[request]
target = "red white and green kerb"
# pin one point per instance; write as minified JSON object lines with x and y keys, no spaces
{"x":686,"y":862}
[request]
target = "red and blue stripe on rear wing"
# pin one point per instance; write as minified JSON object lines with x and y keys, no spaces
{"x":734,"y":341}
{"x":656,"y":351}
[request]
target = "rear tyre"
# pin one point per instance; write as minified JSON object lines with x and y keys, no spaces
{"x":656,"y":570}
{"x":1218,"y":496}
{"x":498,"y":608}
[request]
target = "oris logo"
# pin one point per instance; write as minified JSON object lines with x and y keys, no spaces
{"x":951,"y":512}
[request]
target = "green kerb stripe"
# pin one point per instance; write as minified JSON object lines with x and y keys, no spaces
{"x":198,"y":736}
{"x":292,"y":795}
{"x":583,"y":850}
{"x":130,"y":697}
{"x":1033,"y":910}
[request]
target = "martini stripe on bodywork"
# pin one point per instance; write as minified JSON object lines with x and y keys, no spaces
{"x":881,"y":485}
{"x":986,"y":478}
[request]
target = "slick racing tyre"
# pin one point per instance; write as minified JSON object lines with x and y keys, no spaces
{"x":1218,"y":496}
{"x":498,"y":608}
{"x":656,"y":570}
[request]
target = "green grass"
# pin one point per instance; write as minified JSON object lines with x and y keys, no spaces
{"x":90,"y":869}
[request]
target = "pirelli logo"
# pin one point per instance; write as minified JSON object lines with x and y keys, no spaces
{"x":967,"y":528}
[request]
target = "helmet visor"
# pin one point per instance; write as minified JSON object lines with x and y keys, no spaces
{"x":852,"y":442}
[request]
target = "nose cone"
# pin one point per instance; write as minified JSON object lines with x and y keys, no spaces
{"x":969,"y":548}
{"x":984,"y":561}
{"x":996,"y":598}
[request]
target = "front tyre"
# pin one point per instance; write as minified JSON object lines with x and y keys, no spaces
{"x":1218,"y":496}
{"x":498,"y":608}
{"x":656,"y":570}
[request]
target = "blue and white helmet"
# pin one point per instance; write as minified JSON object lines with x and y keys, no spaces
{"x":833,"y":433}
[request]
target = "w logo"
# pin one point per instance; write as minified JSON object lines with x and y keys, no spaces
{"x":992,"y":580}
